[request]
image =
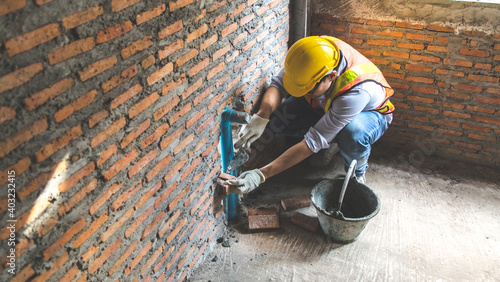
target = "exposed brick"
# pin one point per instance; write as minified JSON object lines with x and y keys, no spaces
{"x":77,"y":197}
{"x":476,"y":128}
{"x":118,"y":5}
{"x":128,"y":252}
{"x":379,"y":42}
{"x":307,"y":222}
{"x":410,"y":46}
{"x":467,"y":87}
{"x":160,"y":73}
{"x":425,"y":58}
{"x":171,"y":29}
{"x":475,"y":53}
{"x":487,"y":100}
{"x":426,"y":90}
{"x":137,"y":222}
{"x":174,"y":233}
{"x":75,"y":106}
{"x":143,"y":162}
{"x":484,"y":78}
{"x":31,"y":39}
{"x":96,"y":224}
{"x":22,"y":136}
{"x":134,"y":90}
{"x":194,"y":86}
{"x":41,"y":97}
{"x":229,"y":29}
{"x":71,"y":50}
{"x":137,"y":46}
{"x":142,"y":105}
{"x":199,"y":67}
{"x":196,"y":33}
{"x":434,"y":48}
{"x":126,"y":195}
{"x":390,"y":33}
{"x":75,"y":178}
{"x":456,"y":115}
{"x":215,"y":70}
{"x":207,"y":43}
{"x":175,"y":169}
{"x":20,"y":167}
{"x":186,"y":57}
{"x":120,"y":164}
{"x":64,"y":239}
{"x":113,"y":32}
{"x":148,"y":195}
{"x":159,"y":201}
{"x":487,"y":120}
{"x":135,"y":133}
{"x":160,"y":217}
{"x":408,"y":25}
{"x":57,"y":144}
{"x":177,"y":45}
{"x":158,"y":114}
{"x":435,"y":27}
{"x":422,"y":37}
{"x":161,"y":165}
{"x":149,"y":61}
{"x":159,"y":131}
{"x":108,"y":132}
{"x":9,"y":6}
{"x":115,"y":226}
{"x":396,"y":54}
{"x":259,"y":219}
{"x":98,"y":262}
{"x":6,"y":114}
{"x":420,"y":79}
{"x":97,"y":68}
{"x":179,"y":114}
{"x":174,"y":5}
{"x":19,"y":77}
{"x":360,"y":30}
{"x":97,"y":117}
{"x":149,"y":15}
{"x":82,"y":17}
{"x":297,"y":202}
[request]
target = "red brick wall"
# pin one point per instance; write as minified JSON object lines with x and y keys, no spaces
{"x":109,"y":122}
{"x":446,"y":82}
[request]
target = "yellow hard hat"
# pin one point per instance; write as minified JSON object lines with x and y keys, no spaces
{"x":307,"y":62}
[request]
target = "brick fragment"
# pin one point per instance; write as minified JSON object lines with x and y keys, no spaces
{"x":71,"y":50}
{"x":263,"y":218}
{"x":32,"y":39}
{"x":19,"y":77}
{"x":297,"y":202}
{"x":307,"y":222}
{"x":82,"y":17}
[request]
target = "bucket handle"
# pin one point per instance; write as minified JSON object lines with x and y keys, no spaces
{"x":350,"y":173}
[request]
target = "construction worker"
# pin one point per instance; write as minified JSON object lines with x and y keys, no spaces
{"x":328,"y":94}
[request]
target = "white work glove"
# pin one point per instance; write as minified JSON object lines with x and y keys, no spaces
{"x":247,"y":181}
{"x":251,"y":131}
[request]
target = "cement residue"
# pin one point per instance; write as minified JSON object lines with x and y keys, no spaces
{"x":460,"y":16}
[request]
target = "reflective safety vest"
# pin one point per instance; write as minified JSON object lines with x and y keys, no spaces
{"x":359,"y":69}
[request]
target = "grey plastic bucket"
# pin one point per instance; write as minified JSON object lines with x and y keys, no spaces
{"x":359,"y":206}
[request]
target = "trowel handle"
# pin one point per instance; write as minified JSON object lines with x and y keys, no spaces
{"x":350,"y":173}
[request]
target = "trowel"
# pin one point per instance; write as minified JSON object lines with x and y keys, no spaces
{"x":238,"y":160}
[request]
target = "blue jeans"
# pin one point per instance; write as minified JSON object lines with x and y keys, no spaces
{"x":295,"y":116}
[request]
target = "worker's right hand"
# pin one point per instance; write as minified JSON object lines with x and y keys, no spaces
{"x":251,"y":131}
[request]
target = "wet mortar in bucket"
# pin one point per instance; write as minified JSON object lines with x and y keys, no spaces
{"x":360,"y":204}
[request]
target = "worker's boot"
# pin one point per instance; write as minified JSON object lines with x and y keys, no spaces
{"x":324,"y":156}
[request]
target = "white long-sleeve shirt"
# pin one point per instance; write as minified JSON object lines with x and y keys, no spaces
{"x":365,"y":96}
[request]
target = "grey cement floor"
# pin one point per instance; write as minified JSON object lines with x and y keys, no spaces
{"x":439,"y":221}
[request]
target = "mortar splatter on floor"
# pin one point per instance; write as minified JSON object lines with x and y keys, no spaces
{"x":439,"y":221}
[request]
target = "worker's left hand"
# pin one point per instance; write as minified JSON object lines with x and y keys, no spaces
{"x":247,"y":181}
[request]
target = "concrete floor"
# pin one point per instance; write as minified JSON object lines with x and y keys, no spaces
{"x":438,"y":222}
